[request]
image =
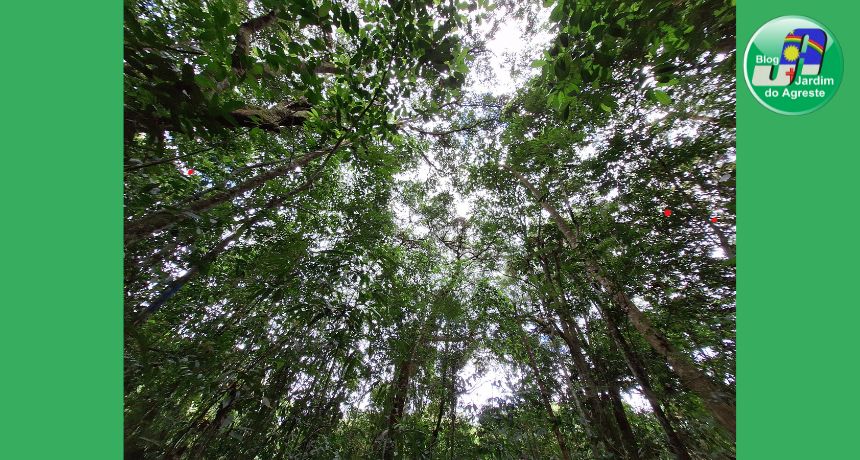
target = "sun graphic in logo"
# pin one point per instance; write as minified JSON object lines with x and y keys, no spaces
{"x":791,"y":53}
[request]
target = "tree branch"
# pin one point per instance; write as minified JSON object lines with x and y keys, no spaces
{"x":243,"y":40}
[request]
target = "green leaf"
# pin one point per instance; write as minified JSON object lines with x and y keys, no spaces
{"x":561,"y":69}
{"x":662,"y":97}
{"x":324,"y":10}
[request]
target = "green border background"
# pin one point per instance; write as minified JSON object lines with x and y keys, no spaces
{"x":61,"y":243}
{"x":797,"y":253}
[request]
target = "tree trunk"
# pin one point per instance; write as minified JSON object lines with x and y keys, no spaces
{"x":694,"y":379}
{"x":608,"y":434}
{"x":142,"y":227}
{"x":206,"y":260}
{"x":715,"y":401}
{"x":627,"y":436}
{"x":676,"y":445}
{"x":178,"y":283}
{"x":545,"y":398}
{"x":403,"y":377}
{"x":442,"y":402}
{"x":452,"y":413}
{"x":574,"y":338}
{"x":584,"y":416}
{"x":727,"y":247}
{"x":398,"y":404}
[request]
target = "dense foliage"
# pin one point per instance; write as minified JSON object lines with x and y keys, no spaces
{"x":301,"y":278}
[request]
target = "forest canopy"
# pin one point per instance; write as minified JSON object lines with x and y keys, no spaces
{"x":404,"y":229}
